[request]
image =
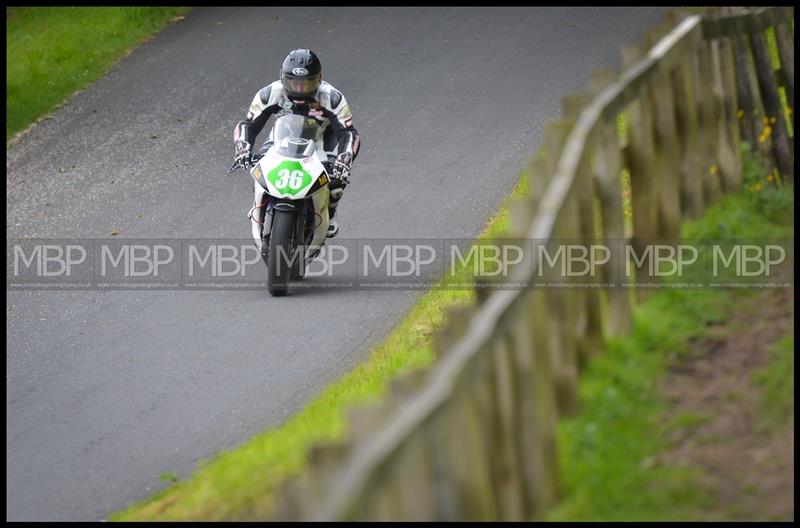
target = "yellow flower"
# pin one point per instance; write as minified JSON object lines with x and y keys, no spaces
{"x":713,"y":169}
{"x":765,"y":120}
{"x":770,"y":178}
{"x":740,"y":114}
{"x":772,"y":120}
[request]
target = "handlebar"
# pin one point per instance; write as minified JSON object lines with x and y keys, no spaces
{"x":246,"y":163}
{"x":237,"y":164}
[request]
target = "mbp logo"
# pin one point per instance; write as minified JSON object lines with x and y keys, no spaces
{"x":747,"y":260}
{"x":660,"y":260}
{"x":136,"y":260}
{"x":214,"y":264}
{"x":137,"y":264}
{"x":223,"y":260}
{"x":399,"y":263}
{"x":398,"y":260}
{"x":48,"y":260}
{"x":572,"y":260}
{"x":487,"y":260}
{"x":42,"y":264}
{"x":332,"y":258}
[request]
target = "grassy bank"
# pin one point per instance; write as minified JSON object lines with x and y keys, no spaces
{"x":240,"y":484}
{"x":608,"y":452}
{"x":52,"y":52}
{"x":776,"y":381}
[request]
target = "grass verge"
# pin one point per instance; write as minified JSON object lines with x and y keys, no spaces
{"x":52,"y":52}
{"x":607,"y":452}
{"x":240,"y":483}
{"x":776,"y":381}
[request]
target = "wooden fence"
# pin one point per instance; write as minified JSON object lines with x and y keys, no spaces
{"x":474,"y":436}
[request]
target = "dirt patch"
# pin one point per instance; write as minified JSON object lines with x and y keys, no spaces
{"x":714,"y":415}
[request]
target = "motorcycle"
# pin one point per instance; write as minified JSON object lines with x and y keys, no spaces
{"x":295,"y":208}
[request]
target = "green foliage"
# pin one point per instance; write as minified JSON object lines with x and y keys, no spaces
{"x":627,"y":202}
{"x":52,"y":52}
{"x":773,"y":199}
{"x":764,"y":209}
{"x":622,"y":128}
{"x":777,"y":384}
{"x":608,"y":454}
{"x":772,"y":46}
{"x":687,"y":420}
{"x":168,"y":476}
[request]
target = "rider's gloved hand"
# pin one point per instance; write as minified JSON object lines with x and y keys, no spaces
{"x":341,"y":169}
{"x":242,"y":154}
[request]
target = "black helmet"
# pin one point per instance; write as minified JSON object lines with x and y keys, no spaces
{"x":301,"y":73}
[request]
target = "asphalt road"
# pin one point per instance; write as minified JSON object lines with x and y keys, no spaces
{"x":107,"y":389}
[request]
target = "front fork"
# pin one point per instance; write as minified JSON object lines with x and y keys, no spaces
{"x":260,"y":222}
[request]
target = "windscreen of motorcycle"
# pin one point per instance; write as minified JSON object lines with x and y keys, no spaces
{"x":295,"y":135}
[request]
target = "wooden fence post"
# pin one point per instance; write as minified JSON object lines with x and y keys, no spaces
{"x":461,"y":468}
{"x":290,"y":500}
{"x":481,"y":396}
{"x":640,"y":152}
{"x":772,"y":107}
{"x":504,"y":416}
{"x":702,"y":112}
{"x":693,"y":162}
{"x":380,"y":500}
{"x":785,"y":41}
{"x":544,"y":400}
{"x":607,"y":170}
{"x":592,"y":342}
{"x":749,"y":112}
{"x":412,"y":477}
{"x":562,"y":303}
{"x":363,"y":420}
{"x":462,"y":449}
{"x":730,"y":159}
{"x":590,"y":336}
{"x":298,"y":495}
{"x":749,"y":97}
{"x":708,"y":118}
{"x":457,"y":319}
{"x":536,"y":415}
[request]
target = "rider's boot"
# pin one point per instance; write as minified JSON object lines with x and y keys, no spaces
{"x":333,"y":225}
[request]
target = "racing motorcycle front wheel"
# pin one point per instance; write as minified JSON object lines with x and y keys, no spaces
{"x":281,"y":256}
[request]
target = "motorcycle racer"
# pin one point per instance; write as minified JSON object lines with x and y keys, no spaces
{"x":301,"y":90}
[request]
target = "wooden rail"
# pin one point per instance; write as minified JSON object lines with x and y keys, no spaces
{"x":474,"y":437}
